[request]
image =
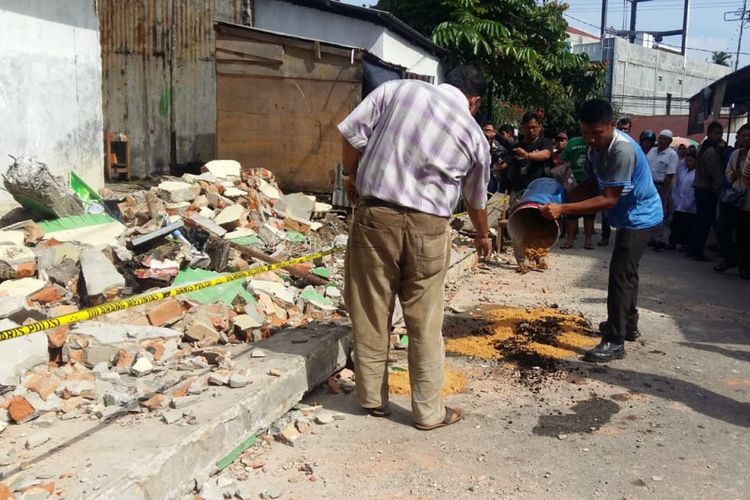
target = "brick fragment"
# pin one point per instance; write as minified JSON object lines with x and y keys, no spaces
{"x":20,"y":410}
{"x":165,"y":312}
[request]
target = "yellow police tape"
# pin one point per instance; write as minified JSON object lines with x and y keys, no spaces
{"x":119,"y":305}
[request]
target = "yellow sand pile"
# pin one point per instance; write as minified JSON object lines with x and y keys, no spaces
{"x":455,"y":381}
{"x":502,"y":332}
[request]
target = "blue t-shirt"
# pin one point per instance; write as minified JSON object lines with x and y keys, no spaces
{"x":624,"y":165}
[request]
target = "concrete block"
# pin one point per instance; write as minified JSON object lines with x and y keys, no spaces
{"x":99,"y":274}
{"x":16,"y":237}
{"x":269,"y":191}
{"x":20,"y":354}
{"x":296,"y":205}
{"x":177,"y":191}
{"x":63,"y":272}
{"x":270,"y":234}
{"x":208,"y":225}
{"x":224,"y":169}
{"x":234,"y":192}
{"x":230,"y":215}
{"x":21,"y":287}
{"x":11,"y":305}
{"x":278,"y":290}
{"x":104,"y":333}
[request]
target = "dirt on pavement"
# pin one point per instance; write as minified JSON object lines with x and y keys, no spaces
{"x":669,"y":421}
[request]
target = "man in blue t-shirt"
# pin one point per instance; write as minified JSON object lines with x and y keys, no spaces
{"x":619,"y":182}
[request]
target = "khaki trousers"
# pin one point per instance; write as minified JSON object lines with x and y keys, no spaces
{"x":397,"y":252}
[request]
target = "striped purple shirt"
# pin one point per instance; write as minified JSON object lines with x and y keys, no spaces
{"x":419,"y":143}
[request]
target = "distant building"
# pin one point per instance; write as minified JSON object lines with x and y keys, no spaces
{"x":379,"y":32}
{"x":647,"y":80}
{"x":578,"y":37}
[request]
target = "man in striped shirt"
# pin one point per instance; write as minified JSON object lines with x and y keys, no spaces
{"x":410,"y":149}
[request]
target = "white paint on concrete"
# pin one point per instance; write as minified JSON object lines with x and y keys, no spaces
{"x":50,"y":86}
{"x":20,"y":354}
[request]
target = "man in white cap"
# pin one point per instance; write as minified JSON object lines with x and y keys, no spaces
{"x":663,"y":162}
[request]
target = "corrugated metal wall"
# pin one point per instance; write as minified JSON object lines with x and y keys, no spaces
{"x":158,"y":77}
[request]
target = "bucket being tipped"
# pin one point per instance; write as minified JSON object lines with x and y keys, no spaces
{"x":533,"y":234}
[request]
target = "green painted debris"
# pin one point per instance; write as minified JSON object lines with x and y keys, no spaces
{"x":74,"y":222}
{"x":295,"y":237}
{"x":398,"y":369}
{"x":225,"y":293}
{"x":313,"y":296}
{"x":322,"y":272}
{"x":404,"y":340}
{"x":235,"y":453}
{"x":84,"y":192}
{"x":249,"y":241}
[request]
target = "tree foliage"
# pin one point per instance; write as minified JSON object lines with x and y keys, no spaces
{"x":519,"y":44}
{"x":721,"y":57}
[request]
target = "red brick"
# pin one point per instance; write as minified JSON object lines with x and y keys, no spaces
{"x":155,"y":347}
{"x":6,"y":493}
{"x":155,"y":402}
{"x":20,"y":409}
{"x":124,"y":359}
{"x":76,"y":355}
{"x":44,"y":385}
{"x":165,"y":312}
{"x":56,"y":338}
{"x":26,"y":270}
{"x":64,"y":309}
{"x":47,"y":295}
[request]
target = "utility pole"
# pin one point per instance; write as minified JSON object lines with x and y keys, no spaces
{"x":633,"y":15}
{"x":604,"y":21}
{"x":743,"y":16}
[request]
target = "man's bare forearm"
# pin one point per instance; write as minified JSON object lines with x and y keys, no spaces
{"x":588,"y":206}
{"x":478,"y":219}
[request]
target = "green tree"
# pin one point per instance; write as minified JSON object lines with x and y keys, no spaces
{"x":721,"y":57}
{"x":519,"y":44}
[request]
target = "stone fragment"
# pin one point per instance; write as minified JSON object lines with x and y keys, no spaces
{"x":171,"y":416}
{"x":184,"y":401}
{"x":16,"y":262}
{"x":275,"y":372}
{"x":19,"y":354}
{"x":11,"y":305}
{"x":296,"y":204}
{"x":324,"y":418}
{"x":224,"y":169}
{"x":231,"y":215}
{"x":99,"y":274}
{"x":43,"y":385}
{"x":208,"y":225}
{"x":124,"y":359}
{"x":64,"y":272}
{"x":288,"y":435}
{"x":278,"y":290}
{"x":142,"y":366}
{"x":238,"y":380}
{"x":155,"y":402}
{"x":177,"y":191}
{"x":56,"y":338}
{"x":12,"y":237}
{"x":234,"y":192}
{"x":83,"y":388}
{"x":71,"y":404}
{"x":220,"y":377}
{"x":36,"y":439}
{"x":270,"y":234}
{"x":246,"y":322}
{"x":166,"y":312}
{"x":202,"y":333}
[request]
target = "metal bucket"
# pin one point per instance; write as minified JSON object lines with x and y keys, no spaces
{"x":526,"y":219}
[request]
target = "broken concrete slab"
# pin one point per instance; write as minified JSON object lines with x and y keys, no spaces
{"x":223,"y":421}
{"x":270,"y":234}
{"x":159,"y":233}
{"x":278,"y":290}
{"x":110,"y":334}
{"x":297,"y":205}
{"x":98,"y":235}
{"x":230,"y":215}
{"x":35,"y":188}
{"x":234,"y":192}
{"x":16,"y":262}
{"x":20,"y":354}
{"x":224,"y":169}
{"x":178,"y":191}
{"x":23,"y":287}
{"x":208,"y":225}
{"x":12,"y":238}
{"x":99,"y":274}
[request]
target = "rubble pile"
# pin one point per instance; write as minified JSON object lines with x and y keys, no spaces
{"x":158,"y":357}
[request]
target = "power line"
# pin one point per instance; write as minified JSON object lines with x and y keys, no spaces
{"x":661,"y":43}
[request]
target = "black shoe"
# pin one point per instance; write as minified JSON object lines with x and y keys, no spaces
{"x":606,"y":351}
{"x":724,"y":265}
{"x":603,"y":242}
{"x":630,"y":335}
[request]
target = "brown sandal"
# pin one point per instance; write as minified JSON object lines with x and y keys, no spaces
{"x":380,"y":412}
{"x":452,"y":415}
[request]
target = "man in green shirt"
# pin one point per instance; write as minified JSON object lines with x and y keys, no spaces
{"x":575,"y":154}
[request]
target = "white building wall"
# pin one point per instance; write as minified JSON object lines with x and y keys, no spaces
{"x":641,"y":77}
{"x":296,"y":20}
{"x":51,"y":87}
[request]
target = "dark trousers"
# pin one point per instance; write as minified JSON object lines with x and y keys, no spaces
{"x":682,"y":226}
{"x":622,"y":291}
{"x":729,"y":229}
{"x":705,"y":202}
{"x":606,"y":228}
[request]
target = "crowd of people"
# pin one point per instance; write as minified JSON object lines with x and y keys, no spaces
{"x":701,"y":187}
